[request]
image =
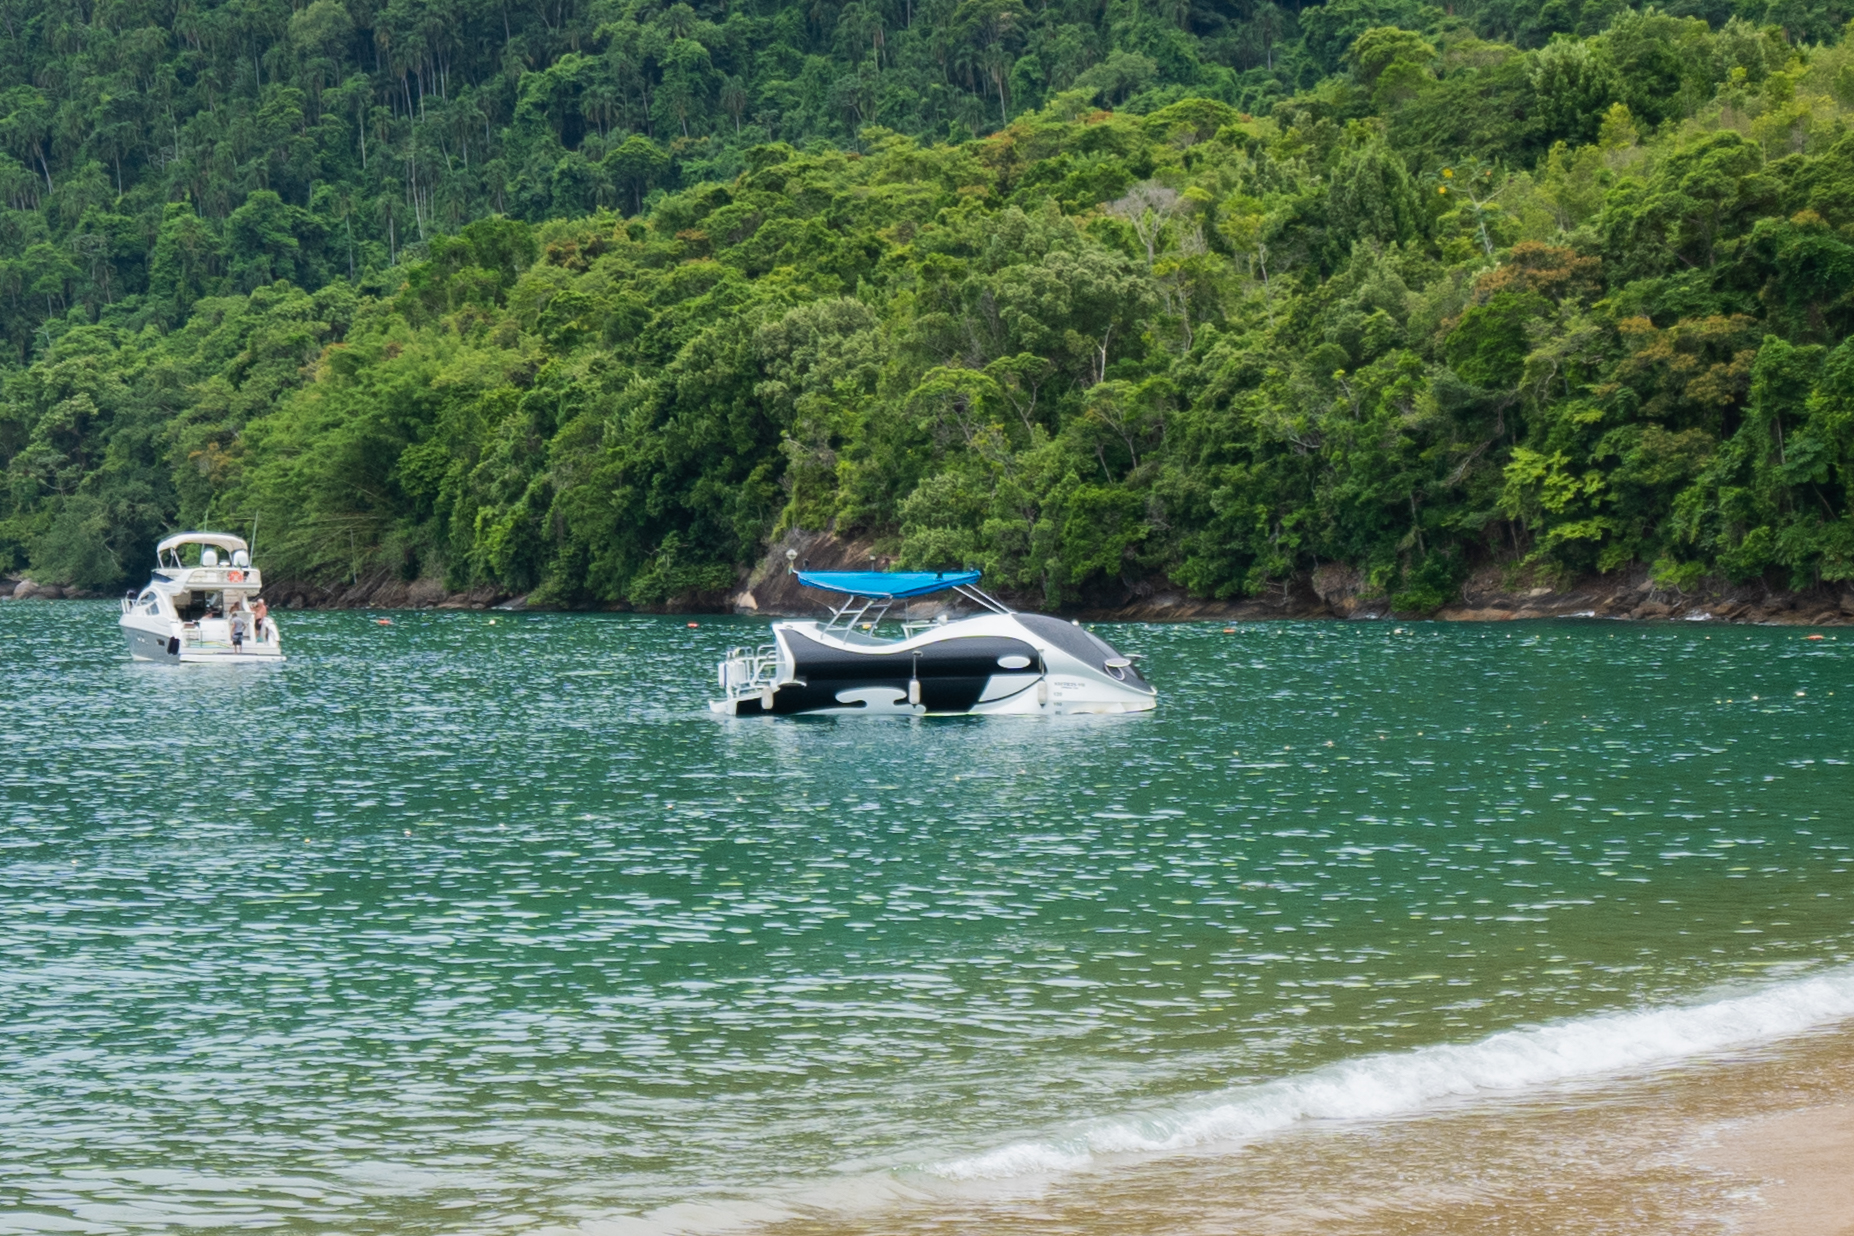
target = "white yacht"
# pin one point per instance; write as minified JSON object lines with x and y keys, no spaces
{"x":994,"y":661}
{"x":198,"y":602}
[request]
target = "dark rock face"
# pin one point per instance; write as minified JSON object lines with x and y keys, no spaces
{"x":772,"y":590}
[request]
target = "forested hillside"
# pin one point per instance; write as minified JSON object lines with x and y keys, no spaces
{"x":593,"y":299}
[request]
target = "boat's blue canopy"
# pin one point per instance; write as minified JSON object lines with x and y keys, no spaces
{"x":890,"y":584}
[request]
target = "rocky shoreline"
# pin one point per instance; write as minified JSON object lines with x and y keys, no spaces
{"x":13,"y":588}
{"x":1489,"y":596}
{"x":365,"y":594}
{"x":1494,"y":594}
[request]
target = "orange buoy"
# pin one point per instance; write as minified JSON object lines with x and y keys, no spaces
{"x":692,"y":624}
{"x":1812,"y":637}
{"x":385,"y":622}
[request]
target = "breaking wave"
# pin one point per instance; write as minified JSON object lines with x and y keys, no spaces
{"x":1400,"y":1083}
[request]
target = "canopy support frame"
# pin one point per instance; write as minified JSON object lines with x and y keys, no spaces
{"x":975,"y":594}
{"x":850,"y":613}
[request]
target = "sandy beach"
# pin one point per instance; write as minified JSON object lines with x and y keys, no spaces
{"x":1752,"y":1144}
{"x":1803,"y":1167}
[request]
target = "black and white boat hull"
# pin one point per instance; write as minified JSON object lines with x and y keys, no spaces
{"x":989,"y":664}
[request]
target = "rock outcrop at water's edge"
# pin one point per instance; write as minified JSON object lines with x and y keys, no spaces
{"x":770,"y":587}
{"x":13,"y":587}
{"x":1492,"y":594}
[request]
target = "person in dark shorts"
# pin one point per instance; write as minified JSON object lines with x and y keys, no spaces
{"x":238,"y":630}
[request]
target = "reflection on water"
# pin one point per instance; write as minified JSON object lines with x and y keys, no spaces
{"x":470,"y":923}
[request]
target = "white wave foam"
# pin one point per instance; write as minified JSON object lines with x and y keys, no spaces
{"x":1391,"y":1084}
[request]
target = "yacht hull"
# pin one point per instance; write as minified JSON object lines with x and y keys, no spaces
{"x":162,"y":644}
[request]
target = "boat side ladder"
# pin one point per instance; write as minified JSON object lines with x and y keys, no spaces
{"x":750,"y":672}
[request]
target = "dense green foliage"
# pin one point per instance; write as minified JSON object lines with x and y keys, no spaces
{"x":615,"y":293}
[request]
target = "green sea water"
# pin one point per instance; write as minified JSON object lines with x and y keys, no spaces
{"x":481,"y":922}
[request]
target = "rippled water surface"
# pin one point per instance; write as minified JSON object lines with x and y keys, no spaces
{"x":476,"y":921}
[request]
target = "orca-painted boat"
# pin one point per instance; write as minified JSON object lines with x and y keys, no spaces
{"x":995,"y":661}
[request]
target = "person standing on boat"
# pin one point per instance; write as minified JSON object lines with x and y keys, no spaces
{"x":238,"y":630}
{"x":259,"y":612}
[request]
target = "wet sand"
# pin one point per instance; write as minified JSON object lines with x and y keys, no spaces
{"x":1757,"y":1143}
{"x":1803,"y":1165}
